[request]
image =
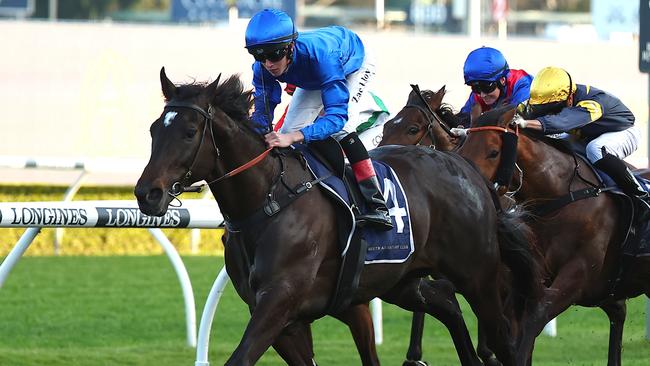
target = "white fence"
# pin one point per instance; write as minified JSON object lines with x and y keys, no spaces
{"x":112,"y":214}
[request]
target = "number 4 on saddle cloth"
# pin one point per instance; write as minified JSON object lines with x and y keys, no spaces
{"x":393,"y":246}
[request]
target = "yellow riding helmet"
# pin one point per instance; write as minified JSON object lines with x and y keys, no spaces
{"x":550,"y":85}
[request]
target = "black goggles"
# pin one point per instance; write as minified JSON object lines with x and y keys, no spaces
{"x":481,"y":86}
{"x":272,"y":55}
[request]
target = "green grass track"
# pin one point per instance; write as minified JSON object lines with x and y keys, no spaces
{"x":128,"y":310}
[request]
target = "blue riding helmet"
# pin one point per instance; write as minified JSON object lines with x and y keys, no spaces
{"x":485,"y":63}
{"x":270,"y":28}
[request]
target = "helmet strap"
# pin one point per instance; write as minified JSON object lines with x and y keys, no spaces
{"x":570,"y":87}
{"x":501,"y":85}
{"x":290,"y":49}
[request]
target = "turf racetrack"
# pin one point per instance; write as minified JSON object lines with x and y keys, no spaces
{"x":129,"y":311}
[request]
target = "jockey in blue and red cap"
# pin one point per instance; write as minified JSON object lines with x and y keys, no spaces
{"x":492,"y":81}
{"x":331,"y":71}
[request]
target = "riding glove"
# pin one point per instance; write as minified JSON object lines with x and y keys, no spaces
{"x":459,"y":132}
{"x":519,"y":121}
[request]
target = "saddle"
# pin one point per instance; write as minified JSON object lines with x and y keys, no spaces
{"x":359,"y":245}
{"x":330,"y":154}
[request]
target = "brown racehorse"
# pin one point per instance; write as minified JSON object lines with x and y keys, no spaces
{"x":402,"y":133}
{"x":420,"y":124}
{"x":581,"y":240}
{"x":292,"y":256}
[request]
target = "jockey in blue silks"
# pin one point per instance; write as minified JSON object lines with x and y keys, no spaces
{"x":492,"y":81}
{"x":596,"y":118}
{"x":331,"y":70}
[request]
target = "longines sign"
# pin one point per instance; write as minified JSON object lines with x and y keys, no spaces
{"x":123,"y":214}
{"x":133,"y":217}
{"x":43,"y":216}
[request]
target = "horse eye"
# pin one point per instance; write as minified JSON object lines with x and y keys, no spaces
{"x":190,"y":133}
{"x":493,"y":154}
{"x":413,"y":130}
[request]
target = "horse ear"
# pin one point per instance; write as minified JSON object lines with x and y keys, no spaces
{"x":168,"y":88}
{"x":506,"y":117}
{"x":436,"y":98}
{"x":212,"y":88}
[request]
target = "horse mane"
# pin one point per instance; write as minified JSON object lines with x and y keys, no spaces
{"x":559,"y":144}
{"x":229,"y":96}
{"x":448,"y":116}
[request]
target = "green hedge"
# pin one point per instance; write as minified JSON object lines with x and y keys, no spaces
{"x":98,"y":241}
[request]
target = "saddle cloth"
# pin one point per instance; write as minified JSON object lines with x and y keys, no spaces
{"x":393,"y":246}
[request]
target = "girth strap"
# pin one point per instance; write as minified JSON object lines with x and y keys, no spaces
{"x":272,"y":206}
{"x":558,"y":203}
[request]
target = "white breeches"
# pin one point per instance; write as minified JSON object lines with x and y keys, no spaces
{"x":620,"y":143}
{"x":306,"y":105}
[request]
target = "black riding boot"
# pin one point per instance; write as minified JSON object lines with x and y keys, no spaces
{"x":376,"y":211}
{"x":623,"y":177}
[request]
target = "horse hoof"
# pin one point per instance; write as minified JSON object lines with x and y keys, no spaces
{"x":414,"y":363}
{"x":493,"y":362}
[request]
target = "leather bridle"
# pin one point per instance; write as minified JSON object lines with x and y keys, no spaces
{"x":429,"y":130}
{"x":181,"y":186}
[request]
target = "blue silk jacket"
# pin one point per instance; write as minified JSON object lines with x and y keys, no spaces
{"x":322,"y":59}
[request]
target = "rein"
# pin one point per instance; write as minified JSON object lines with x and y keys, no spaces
{"x":432,"y":113}
{"x":490,"y":128}
{"x":179,"y":186}
{"x":272,"y":205}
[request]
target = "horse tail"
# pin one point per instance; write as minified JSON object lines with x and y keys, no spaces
{"x":516,"y":246}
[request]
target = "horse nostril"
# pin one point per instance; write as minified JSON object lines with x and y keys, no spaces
{"x":154,"y":195}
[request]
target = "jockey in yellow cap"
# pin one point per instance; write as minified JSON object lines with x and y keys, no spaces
{"x":598,"y":119}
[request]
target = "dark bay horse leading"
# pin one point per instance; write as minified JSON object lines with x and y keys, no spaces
{"x":292,"y":257}
{"x":581,"y":241}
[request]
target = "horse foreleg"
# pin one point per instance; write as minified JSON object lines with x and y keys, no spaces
{"x":564,"y":291}
{"x":484,"y":352}
{"x":414,"y":353}
{"x":295,"y":346}
{"x":272,"y":313}
{"x":616,"y":312}
{"x":437,"y":298}
{"x":493,"y":323}
{"x":359,"y":321}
